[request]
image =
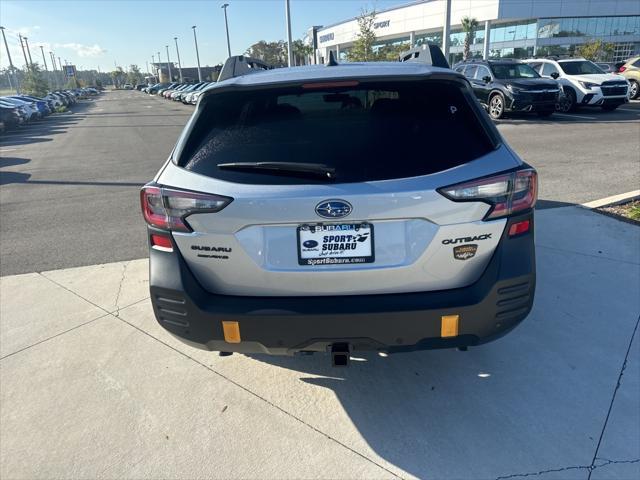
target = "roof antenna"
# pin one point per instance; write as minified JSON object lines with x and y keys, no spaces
{"x":331,"y":62}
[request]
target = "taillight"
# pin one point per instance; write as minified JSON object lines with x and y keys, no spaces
{"x":622,"y":69}
{"x":507,"y":193}
{"x":167,"y":208}
{"x":161,"y":242}
{"x":519,"y":228}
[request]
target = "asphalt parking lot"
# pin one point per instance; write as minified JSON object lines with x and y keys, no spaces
{"x":92,"y":387}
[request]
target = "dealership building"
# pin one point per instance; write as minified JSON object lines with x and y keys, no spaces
{"x":506,"y":28}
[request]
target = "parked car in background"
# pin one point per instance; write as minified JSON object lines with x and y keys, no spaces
{"x":54,"y":99}
{"x":10,"y":116}
{"x":30,"y":108}
{"x":166,"y":86}
{"x":504,"y":86}
{"x":631,"y":71}
{"x":607,"y":67}
{"x":190,"y":88}
{"x":41,"y":105}
{"x":167,"y":93}
{"x":583,"y":82}
{"x":188,"y":97}
{"x":267,"y":237}
{"x":127,"y":86}
{"x":153,"y":89}
{"x":140,"y":86}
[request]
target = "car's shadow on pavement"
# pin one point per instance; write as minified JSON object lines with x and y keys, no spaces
{"x":41,"y":131}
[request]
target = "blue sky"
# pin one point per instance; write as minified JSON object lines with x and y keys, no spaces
{"x":94,"y":33}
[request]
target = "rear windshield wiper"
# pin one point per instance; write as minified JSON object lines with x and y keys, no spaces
{"x":284,"y":168}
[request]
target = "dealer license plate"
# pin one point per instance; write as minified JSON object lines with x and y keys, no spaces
{"x":335,"y":244}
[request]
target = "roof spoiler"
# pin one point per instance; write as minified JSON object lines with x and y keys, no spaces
{"x":239,"y":65}
{"x":428,"y":54}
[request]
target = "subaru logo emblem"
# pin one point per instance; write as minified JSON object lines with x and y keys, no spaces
{"x":333,"y":209}
{"x":310,"y":244}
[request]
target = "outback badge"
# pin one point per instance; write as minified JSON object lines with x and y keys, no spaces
{"x":465,"y":252}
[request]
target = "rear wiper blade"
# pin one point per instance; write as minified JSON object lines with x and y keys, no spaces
{"x":284,"y":168}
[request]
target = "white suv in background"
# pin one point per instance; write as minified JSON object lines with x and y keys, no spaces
{"x":583,"y":83}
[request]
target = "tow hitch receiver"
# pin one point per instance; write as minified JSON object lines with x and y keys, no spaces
{"x":340,"y":355}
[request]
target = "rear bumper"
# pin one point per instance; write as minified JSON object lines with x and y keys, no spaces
{"x":492,"y":306}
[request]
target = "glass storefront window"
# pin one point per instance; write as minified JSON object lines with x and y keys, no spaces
{"x":580,"y":27}
{"x":566,"y":27}
{"x":589,"y":26}
{"x":510,"y":33}
{"x":521,"y":32}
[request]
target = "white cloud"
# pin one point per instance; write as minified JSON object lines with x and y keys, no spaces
{"x":82,"y":50}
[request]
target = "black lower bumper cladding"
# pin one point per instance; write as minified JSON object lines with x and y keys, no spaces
{"x":487,"y":309}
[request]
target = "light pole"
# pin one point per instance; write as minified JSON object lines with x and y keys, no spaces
{"x":289,"y":43}
{"x":159,"y":71}
{"x":175,"y":39}
{"x":195,"y":39}
{"x":168,"y":63}
{"x":11,"y":67}
{"x":26,"y":62}
{"x":226,"y":24}
{"x":28,"y":51}
{"x":44,"y":59}
{"x":446,"y":30}
{"x":55,"y":70}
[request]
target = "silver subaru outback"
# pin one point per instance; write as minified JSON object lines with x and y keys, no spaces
{"x":340,"y":208}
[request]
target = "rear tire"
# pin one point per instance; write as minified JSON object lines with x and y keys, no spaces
{"x":569,"y":102}
{"x":634,"y":89}
{"x":496,"y":106}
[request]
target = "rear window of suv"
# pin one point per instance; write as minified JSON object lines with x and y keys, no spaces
{"x":365,"y":132}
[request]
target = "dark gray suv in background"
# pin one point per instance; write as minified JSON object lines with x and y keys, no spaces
{"x":504,"y":86}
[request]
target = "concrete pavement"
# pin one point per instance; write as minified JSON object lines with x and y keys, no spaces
{"x":93,"y":387}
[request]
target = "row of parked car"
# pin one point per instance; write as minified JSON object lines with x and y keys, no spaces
{"x":546,"y":85}
{"x":187,"y":93}
{"x":16,"y":110}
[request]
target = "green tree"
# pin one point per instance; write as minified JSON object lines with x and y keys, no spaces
{"x":134,"y":76}
{"x":301,"y":52}
{"x":362,"y":50}
{"x":118,"y":77}
{"x":469,"y":26}
{"x":273,"y":53}
{"x":34,"y":83}
{"x":391,"y":52}
{"x":596,"y":50}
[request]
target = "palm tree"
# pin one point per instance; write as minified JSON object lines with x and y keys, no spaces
{"x":469,"y":26}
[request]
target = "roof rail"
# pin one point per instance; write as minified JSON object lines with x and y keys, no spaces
{"x":429,"y":54}
{"x":239,"y":65}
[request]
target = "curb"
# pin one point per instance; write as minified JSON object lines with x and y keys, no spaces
{"x":612,"y":200}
